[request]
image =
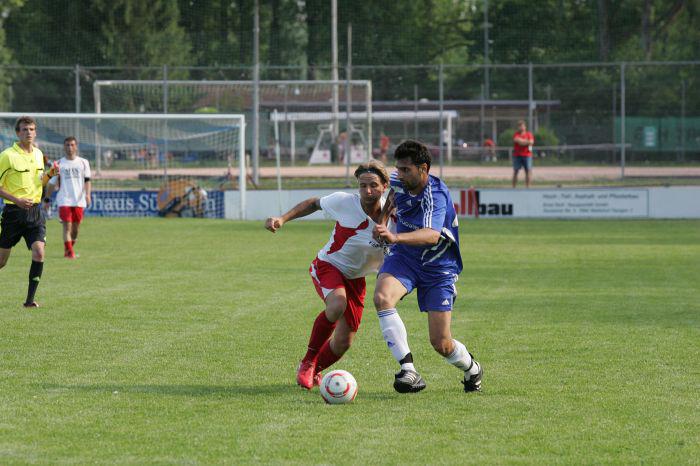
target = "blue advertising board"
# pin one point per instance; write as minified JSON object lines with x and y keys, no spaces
{"x":139,"y":204}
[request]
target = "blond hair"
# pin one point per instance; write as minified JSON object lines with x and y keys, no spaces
{"x":373,"y":166}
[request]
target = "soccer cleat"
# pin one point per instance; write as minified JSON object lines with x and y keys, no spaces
{"x":317,"y":378}
{"x":32,"y":304}
{"x":473,"y":383}
{"x":305,"y":375}
{"x":407,"y":381}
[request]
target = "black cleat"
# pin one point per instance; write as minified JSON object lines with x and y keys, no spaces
{"x":407,"y":381}
{"x":473,"y":383}
{"x":32,"y":304}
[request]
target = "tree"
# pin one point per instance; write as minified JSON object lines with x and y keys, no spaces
{"x":6,"y":9}
{"x":135,"y":33}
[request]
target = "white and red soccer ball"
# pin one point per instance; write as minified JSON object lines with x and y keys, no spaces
{"x":338,"y":387}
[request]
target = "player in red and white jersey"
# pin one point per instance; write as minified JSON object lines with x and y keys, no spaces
{"x":339,"y":270}
{"x":74,"y":193}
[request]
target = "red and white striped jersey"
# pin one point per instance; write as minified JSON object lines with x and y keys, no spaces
{"x":351,"y":248}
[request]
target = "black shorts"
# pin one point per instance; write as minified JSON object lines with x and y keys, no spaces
{"x":17,"y":223}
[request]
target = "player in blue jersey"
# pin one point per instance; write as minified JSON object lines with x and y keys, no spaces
{"x":424,"y":256}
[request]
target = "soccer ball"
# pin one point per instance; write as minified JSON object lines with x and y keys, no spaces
{"x":338,"y":387}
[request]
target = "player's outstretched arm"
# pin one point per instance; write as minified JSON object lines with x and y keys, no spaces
{"x":304,"y":208}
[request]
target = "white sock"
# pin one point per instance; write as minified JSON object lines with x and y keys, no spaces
{"x":408,"y":366}
{"x":461,"y":358}
{"x":394,"y":333}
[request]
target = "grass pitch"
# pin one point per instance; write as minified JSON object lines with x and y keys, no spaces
{"x":175,"y":342}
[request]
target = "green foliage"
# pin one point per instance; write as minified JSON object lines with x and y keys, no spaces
{"x":98,"y":32}
{"x":136,"y":32}
{"x":295,"y":43}
{"x":505,"y":139}
{"x":219,"y":32}
{"x":6,"y":8}
{"x":175,"y":342}
{"x":545,"y":137}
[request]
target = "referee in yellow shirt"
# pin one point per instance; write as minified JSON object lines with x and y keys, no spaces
{"x":22,"y":178}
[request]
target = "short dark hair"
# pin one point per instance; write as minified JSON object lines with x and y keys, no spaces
{"x":24,"y":120}
{"x":373,"y":166}
{"x":416,"y":151}
{"x":70,"y":138}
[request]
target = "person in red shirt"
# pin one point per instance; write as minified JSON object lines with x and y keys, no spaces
{"x":522,"y":152}
{"x":489,"y":150}
{"x":383,"y":147}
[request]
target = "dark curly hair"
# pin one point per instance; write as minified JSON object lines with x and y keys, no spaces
{"x":416,"y":151}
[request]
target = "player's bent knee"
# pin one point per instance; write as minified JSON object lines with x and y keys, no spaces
{"x":335,"y":307}
{"x":333,"y":313}
{"x":382,"y":300}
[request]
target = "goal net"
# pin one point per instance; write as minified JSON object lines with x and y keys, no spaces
{"x":337,"y":100}
{"x":155,"y":164}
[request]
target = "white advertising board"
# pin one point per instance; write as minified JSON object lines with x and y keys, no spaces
{"x":556,"y":203}
{"x":657,"y":202}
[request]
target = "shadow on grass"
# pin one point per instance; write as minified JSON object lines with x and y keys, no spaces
{"x":203,"y":390}
{"x":177,"y":390}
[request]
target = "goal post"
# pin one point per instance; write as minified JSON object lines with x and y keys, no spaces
{"x":139,"y":151}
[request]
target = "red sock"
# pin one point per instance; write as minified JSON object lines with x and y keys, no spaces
{"x":72,"y":243}
{"x":68,"y":248}
{"x":321,"y":331}
{"x":326,"y":357}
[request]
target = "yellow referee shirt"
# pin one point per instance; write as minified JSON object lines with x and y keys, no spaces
{"x":21,"y":172}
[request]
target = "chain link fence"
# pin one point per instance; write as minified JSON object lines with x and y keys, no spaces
{"x":614,"y":114}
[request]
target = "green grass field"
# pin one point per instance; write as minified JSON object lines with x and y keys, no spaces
{"x":175,"y":342}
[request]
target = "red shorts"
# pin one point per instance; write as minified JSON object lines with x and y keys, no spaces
{"x":70,"y":214}
{"x":327,"y":278}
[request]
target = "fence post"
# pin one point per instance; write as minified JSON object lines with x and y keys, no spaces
{"x":77,"y":88}
{"x":98,"y":109}
{"x":622,"y":121}
{"x":614,"y":123}
{"x":441,"y":84}
{"x":682,"y":120}
{"x":165,"y":110}
{"x":165,"y":88}
{"x":348,"y":109}
{"x":530,"y":98}
{"x":256,"y":93}
{"x":415,"y":110}
{"x":482,"y":117}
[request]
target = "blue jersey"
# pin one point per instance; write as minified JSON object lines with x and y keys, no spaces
{"x":432,"y":208}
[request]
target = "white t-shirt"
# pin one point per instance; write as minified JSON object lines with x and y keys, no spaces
{"x":351,"y":248}
{"x":71,"y":175}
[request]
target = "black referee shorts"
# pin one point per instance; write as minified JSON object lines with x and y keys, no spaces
{"x":17,"y":223}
